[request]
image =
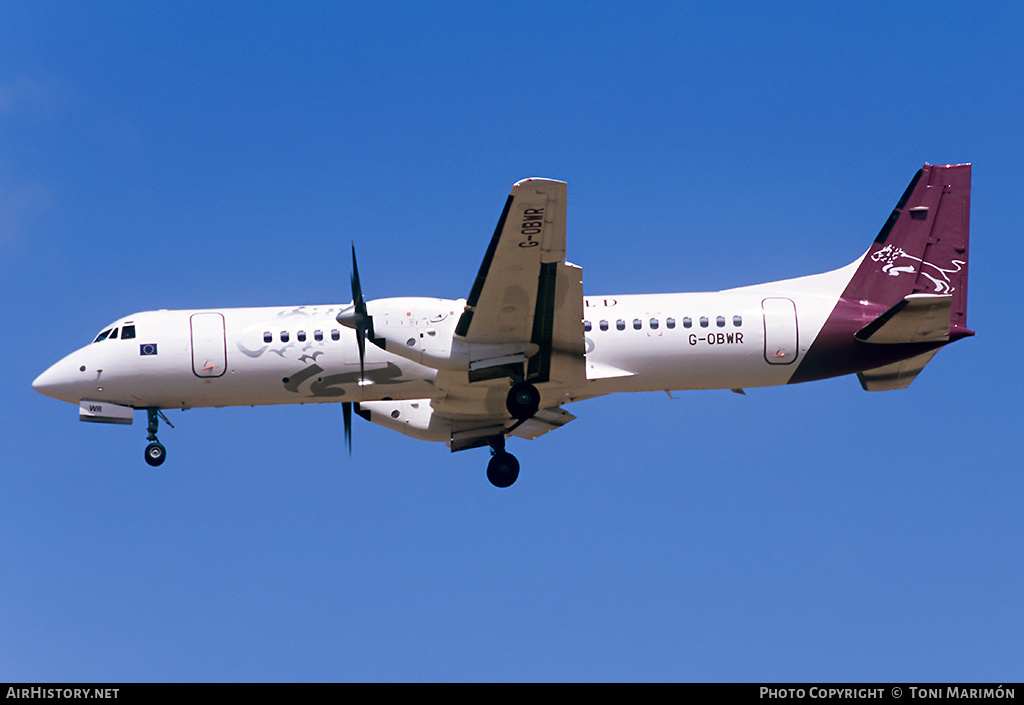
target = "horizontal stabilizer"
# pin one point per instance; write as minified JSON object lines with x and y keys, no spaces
{"x":898,"y":375}
{"x":918,"y":318}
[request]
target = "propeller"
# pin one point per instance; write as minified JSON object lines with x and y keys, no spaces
{"x":357,"y":318}
{"x":361,"y":322}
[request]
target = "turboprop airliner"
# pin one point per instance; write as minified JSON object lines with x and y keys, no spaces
{"x":526,"y":342}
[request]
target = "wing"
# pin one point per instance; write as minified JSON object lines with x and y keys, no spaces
{"x":526,"y":297}
{"x":525,"y":291}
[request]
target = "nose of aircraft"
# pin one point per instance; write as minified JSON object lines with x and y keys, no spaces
{"x":57,"y":382}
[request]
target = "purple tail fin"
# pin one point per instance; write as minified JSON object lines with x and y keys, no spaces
{"x":922,"y":248}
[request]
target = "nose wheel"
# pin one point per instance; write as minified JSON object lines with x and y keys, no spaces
{"x":155,"y":453}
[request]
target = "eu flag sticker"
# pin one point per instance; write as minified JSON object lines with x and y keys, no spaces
{"x":147,"y":349}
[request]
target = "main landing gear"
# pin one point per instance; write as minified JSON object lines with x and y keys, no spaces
{"x":522,"y":402}
{"x":503,"y":469}
{"x":155,"y":453}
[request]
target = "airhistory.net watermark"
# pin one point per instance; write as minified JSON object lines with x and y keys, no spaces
{"x":62,"y":693}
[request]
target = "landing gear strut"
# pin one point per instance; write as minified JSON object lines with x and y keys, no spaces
{"x":503,"y":469}
{"x":155,"y":453}
{"x":522,"y":402}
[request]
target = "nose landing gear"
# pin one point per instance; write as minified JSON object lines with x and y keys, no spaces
{"x":155,"y":453}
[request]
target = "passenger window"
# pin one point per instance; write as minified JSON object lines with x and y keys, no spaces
{"x":284,"y":336}
{"x":586,"y":326}
{"x":637,"y":323}
{"x":737,"y":321}
{"x":301,"y":335}
{"x":127,"y":332}
{"x":720,"y":321}
{"x":687,"y":322}
{"x":603,"y":325}
{"x":335,"y":334}
{"x":670,"y":323}
{"x":703,"y":321}
{"x":654,"y":324}
{"x":318,"y":335}
{"x":268,"y":337}
{"x":620,"y":324}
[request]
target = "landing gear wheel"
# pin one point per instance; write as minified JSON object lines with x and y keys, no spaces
{"x":523,"y":400}
{"x":155,"y":454}
{"x":503,"y":469}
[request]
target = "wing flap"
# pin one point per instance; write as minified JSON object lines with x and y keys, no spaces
{"x":543,"y":421}
{"x":558,"y":328}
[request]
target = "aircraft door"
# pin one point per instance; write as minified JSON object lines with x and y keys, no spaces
{"x":209,"y":349}
{"x":780,"y":331}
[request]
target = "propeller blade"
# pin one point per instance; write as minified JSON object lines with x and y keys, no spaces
{"x":346,"y":414}
{"x":361,"y":343}
{"x":357,"y":289}
{"x":362,"y":320}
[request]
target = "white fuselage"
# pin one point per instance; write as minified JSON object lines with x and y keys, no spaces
{"x":747,"y":337}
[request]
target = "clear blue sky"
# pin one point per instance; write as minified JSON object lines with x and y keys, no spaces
{"x":197,"y":155}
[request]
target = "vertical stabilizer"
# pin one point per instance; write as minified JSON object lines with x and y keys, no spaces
{"x":923,"y":246}
{"x":914,"y":271}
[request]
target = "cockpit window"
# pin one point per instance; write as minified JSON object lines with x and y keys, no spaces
{"x":127,"y":333}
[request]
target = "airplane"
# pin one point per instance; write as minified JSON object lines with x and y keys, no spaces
{"x":526,"y":342}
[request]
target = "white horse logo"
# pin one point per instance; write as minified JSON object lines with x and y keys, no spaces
{"x":937,"y":275}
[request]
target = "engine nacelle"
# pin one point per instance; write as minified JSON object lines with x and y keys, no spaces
{"x":423,"y":330}
{"x":413,"y":417}
{"x":416,"y":418}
